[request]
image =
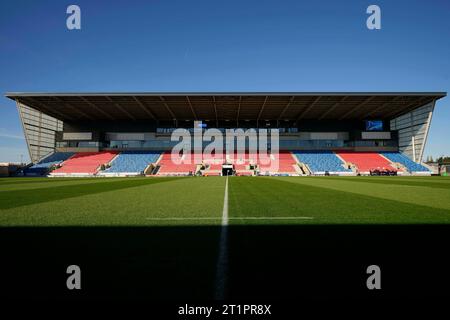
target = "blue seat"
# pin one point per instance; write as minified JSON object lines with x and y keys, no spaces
{"x":406,"y":161}
{"x":133,"y":161}
{"x":321,"y":161}
{"x":45,"y":164}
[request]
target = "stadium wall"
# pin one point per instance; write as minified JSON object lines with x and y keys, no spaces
{"x":413,"y":128}
{"x":40,"y":131}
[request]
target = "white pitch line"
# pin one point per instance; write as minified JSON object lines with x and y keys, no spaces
{"x":229,"y":218}
{"x":184,"y":218}
{"x":225,"y":206}
{"x":222,"y":260}
{"x":272,"y":218}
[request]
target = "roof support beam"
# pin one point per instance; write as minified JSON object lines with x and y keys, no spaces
{"x":238,"y":111}
{"x":286,"y":107}
{"x":92,"y":105}
{"x":352,"y":110}
{"x":118,"y":106}
{"x":192,"y":108}
{"x":215,"y":111}
{"x":380,"y":107}
{"x":333,"y":107}
{"x":144,"y":107}
{"x":308,"y":108}
{"x":167,"y":107}
{"x":77,"y":110}
{"x":262,"y":108}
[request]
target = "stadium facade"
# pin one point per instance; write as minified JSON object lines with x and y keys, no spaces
{"x":349,"y":130}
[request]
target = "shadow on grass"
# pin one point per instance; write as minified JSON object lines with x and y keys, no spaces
{"x":264,"y":262}
{"x":17,"y":198}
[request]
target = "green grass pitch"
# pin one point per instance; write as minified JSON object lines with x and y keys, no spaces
{"x":200,"y":201}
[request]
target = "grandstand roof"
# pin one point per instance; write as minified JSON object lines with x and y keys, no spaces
{"x":226,"y":106}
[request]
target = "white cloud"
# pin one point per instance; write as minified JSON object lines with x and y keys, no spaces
{"x":11,"y":136}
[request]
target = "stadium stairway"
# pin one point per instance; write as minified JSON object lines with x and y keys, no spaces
{"x":43,"y":167}
{"x":367,"y":161}
{"x":85,"y":163}
{"x":131,"y":163}
{"x":213,"y":164}
{"x":241,"y":163}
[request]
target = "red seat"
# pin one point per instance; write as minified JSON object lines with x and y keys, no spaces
{"x":286,"y":163}
{"x":169,"y":166}
{"x":86,"y":162}
{"x":215,"y":167}
{"x":241,"y":162}
{"x":366,"y":161}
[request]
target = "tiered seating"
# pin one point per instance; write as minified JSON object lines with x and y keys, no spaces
{"x":215,"y":167}
{"x":321,"y":161}
{"x":87,"y":163}
{"x":405,"y":161}
{"x":367,"y":161}
{"x":167,"y":166}
{"x":242,"y":161}
{"x":214,"y":164}
{"x":240,"y":167}
{"x":43,"y":166}
{"x":133,"y":161}
{"x":286,"y":163}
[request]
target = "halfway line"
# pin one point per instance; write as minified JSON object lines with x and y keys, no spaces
{"x":222,"y":259}
{"x":223,"y":218}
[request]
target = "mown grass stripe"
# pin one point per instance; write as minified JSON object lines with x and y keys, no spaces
{"x":17,"y":198}
{"x":267,"y":197}
{"x":125,"y":206}
{"x":391,"y":181}
{"x":416,"y":195}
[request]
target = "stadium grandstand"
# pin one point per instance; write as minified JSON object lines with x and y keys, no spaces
{"x":128,"y":134}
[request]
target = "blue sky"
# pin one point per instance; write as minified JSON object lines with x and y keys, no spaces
{"x":244,"y":45}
